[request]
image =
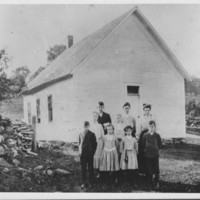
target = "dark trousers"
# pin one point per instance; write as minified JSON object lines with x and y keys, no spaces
{"x":87,"y":162}
{"x":153,"y":168}
{"x":129,"y":175}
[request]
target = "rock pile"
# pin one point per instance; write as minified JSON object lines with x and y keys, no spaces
{"x":16,"y":139}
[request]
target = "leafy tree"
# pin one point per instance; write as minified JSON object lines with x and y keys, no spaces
{"x":18,"y":80}
{"x":54,"y":52}
{"x":4,"y":87}
{"x":5,"y":60}
{"x":23,"y":71}
{"x":190,"y":87}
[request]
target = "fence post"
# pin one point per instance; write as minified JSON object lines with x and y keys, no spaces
{"x":34,"y":133}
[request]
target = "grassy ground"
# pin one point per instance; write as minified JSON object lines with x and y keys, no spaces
{"x":179,"y":165}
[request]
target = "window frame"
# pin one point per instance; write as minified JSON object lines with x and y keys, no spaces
{"x":133,"y":94}
{"x":50,"y":108}
{"x":38,"y":110}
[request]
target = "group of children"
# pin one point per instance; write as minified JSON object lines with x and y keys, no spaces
{"x":113,"y":148}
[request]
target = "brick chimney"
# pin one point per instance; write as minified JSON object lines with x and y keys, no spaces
{"x":70,"y":40}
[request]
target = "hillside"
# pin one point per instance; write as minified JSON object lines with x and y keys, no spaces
{"x":193,"y":87}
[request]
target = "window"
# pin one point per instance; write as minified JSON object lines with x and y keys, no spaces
{"x":38,"y":110}
{"x":29,"y":112}
{"x":50,"y":108}
{"x":133,"y":90}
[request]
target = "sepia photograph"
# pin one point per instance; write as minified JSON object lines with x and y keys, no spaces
{"x":100,"y":98}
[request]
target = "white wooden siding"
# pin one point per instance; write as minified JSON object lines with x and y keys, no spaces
{"x":130,"y":55}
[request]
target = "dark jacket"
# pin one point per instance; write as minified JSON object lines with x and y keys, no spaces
{"x":89,"y":144}
{"x":151,"y":144}
{"x":105,"y":118}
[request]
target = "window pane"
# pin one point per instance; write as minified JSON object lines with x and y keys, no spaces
{"x":50,"y":108}
{"x":133,"y":90}
{"x":38,"y":110}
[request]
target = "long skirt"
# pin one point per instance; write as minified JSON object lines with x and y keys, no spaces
{"x":141,"y":157}
{"x":109,"y":161}
{"x":97,"y":155}
{"x":129,"y":160}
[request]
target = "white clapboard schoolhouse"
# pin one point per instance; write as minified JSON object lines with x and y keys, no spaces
{"x":126,"y":60}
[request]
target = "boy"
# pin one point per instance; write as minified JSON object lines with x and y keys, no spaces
{"x":152,"y":144}
{"x":87,"y":148}
{"x":104,"y":118}
{"x":144,"y":128}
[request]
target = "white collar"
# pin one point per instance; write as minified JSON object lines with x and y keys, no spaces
{"x":151,"y":133}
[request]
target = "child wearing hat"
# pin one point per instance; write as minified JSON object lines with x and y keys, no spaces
{"x":109,"y":160}
{"x":152,"y":144}
{"x":129,"y":161}
{"x":87,"y":148}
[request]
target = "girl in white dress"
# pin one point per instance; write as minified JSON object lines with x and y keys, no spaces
{"x":109,"y":159}
{"x":129,"y":154}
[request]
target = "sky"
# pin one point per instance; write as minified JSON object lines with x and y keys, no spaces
{"x":27,"y":31}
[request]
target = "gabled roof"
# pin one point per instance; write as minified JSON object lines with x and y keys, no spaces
{"x":72,"y":57}
{"x":65,"y":64}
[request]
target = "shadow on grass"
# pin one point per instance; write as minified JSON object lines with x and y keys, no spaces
{"x":142,"y":186}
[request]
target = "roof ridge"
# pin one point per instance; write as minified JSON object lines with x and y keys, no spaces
{"x":105,"y":30}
